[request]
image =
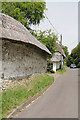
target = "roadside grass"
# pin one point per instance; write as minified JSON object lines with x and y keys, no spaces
{"x":63,"y":70}
{"x":11,"y":98}
{"x":0,"y":105}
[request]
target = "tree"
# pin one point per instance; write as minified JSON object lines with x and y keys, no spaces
{"x":65,"y":48}
{"x":25,"y":12}
{"x":69,"y":60}
{"x":74,"y":57}
{"x":48,"y":38}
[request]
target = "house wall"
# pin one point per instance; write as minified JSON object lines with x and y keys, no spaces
{"x":59,"y":57}
{"x":0,"y":58}
{"x":54,"y":67}
{"x":58,"y":65}
{"x":58,"y":54}
{"x":19,"y":59}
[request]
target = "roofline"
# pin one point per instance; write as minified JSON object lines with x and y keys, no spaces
{"x":25,"y":43}
{"x":30,"y":39}
{"x":60,"y":53}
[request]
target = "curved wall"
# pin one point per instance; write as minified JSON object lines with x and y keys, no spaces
{"x":20,"y":60}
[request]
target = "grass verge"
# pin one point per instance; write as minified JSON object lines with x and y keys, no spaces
{"x":63,"y":70}
{"x":11,"y":98}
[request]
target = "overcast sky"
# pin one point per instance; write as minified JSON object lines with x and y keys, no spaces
{"x":64,"y":17}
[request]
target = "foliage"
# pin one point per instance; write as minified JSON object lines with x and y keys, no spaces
{"x":48,"y":38}
{"x":11,"y":98}
{"x":65,"y":48}
{"x":49,"y":65}
{"x":25,"y":12}
{"x":74,"y":57}
{"x":52,"y":71}
{"x":69,"y":60}
{"x":63,"y":70}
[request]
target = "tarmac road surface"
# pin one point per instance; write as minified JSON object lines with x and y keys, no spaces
{"x":59,"y":101}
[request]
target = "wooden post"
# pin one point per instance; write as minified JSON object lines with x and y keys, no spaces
{"x":61,"y":52}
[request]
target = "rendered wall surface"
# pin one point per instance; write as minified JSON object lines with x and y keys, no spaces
{"x":58,"y":65}
{"x":54,"y":67}
{"x":0,"y":57}
{"x":19,"y":59}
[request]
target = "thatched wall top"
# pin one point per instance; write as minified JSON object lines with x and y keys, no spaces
{"x":55,"y":58}
{"x":14,"y":30}
{"x":59,"y":49}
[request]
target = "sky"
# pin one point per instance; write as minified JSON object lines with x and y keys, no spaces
{"x":64,"y":17}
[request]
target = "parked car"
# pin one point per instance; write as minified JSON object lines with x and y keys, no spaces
{"x":72,"y":66}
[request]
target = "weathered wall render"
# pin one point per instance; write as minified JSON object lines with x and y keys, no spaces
{"x":19,"y":59}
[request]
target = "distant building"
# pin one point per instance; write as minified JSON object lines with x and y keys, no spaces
{"x":56,"y":58}
{"x":22,"y":54}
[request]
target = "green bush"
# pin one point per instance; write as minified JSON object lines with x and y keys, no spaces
{"x":52,"y":71}
{"x":49,"y":65}
{"x":63,"y":70}
{"x":74,"y":57}
{"x":78,"y":65}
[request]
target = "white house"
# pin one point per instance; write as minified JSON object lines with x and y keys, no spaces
{"x":56,"y":58}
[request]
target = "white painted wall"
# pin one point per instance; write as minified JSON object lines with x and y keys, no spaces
{"x":54,"y":67}
{"x":58,"y":54}
{"x":58,"y":65}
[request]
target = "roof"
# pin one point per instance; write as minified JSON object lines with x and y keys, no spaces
{"x":59,"y":49}
{"x":14,"y":30}
{"x":55,"y":58}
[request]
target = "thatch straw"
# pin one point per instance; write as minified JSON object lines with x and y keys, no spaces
{"x":14,"y":30}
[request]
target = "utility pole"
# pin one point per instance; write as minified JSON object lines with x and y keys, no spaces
{"x":61,"y":51}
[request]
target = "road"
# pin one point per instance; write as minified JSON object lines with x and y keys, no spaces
{"x":59,"y":101}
